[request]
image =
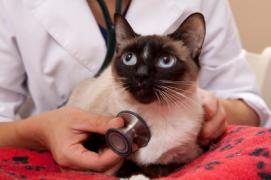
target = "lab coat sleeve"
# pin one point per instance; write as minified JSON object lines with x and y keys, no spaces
{"x":12,"y":74}
{"x":224,"y":69}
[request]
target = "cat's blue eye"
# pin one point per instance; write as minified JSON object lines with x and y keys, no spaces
{"x":166,"y":61}
{"x":129,"y":59}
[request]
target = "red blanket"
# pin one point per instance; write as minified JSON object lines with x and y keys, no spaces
{"x":242,"y":153}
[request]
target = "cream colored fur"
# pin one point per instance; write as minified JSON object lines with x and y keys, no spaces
{"x":174,"y":129}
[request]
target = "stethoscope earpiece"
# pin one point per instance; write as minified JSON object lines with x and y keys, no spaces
{"x":135,"y":131}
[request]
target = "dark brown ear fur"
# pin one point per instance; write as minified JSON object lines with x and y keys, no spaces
{"x":192,"y":33}
{"x":123,"y":29}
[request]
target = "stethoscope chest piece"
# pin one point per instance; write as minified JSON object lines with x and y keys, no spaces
{"x":135,"y":131}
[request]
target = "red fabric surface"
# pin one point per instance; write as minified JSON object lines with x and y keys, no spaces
{"x":242,"y":153}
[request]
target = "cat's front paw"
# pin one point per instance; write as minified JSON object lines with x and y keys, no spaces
{"x":136,"y":177}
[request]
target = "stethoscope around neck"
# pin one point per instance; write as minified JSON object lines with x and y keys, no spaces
{"x":110,"y":30}
{"x":135,"y":130}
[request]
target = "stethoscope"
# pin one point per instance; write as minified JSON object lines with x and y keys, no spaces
{"x":111,"y":42}
{"x":135,"y":130}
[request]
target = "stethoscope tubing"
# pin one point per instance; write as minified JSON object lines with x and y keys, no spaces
{"x":110,"y":33}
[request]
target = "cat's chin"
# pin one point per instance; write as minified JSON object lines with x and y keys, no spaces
{"x":144,"y":98}
{"x":145,"y":101}
{"x":151,"y":102}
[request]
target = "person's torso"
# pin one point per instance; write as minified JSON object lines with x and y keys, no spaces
{"x":60,"y":43}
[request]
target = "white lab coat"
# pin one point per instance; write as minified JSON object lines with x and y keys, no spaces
{"x":49,"y":46}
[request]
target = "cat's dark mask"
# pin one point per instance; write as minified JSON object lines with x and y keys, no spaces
{"x":152,"y":68}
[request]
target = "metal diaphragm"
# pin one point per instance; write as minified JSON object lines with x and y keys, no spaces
{"x":135,"y":131}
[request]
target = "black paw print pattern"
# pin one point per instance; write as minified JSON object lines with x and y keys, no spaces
{"x":211,"y":165}
{"x":262,"y":172}
{"x":241,"y":153}
{"x":20,"y":159}
{"x":24,"y":164}
{"x":263,"y":166}
{"x":261,"y":152}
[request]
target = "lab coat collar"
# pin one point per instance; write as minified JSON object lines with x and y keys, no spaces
{"x":81,"y":36}
{"x":156,"y":16}
{"x":72,"y":25}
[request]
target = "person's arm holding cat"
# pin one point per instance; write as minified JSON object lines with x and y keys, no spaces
{"x":228,"y":86}
{"x":64,"y":138}
{"x":221,"y":112}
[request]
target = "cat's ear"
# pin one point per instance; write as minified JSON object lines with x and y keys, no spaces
{"x":192,"y":33}
{"x":123,"y":29}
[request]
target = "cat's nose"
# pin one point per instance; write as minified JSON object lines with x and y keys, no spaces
{"x":142,"y":72}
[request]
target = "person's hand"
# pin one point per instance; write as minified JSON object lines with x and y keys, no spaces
{"x":62,"y":131}
{"x":215,"y":117}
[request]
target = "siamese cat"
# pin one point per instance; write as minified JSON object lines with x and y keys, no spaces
{"x":154,"y":76}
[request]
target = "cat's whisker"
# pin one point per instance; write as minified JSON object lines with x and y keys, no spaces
{"x":121,"y":84}
{"x":124,"y":86}
{"x":120,"y":78}
{"x":173,"y":95}
{"x":120,"y":89}
{"x":178,"y":101}
{"x":162,"y":97}
{"x":169,"y":99}
{"x":117,"y":85}
{"x":157,"y":94}
{"x":177,"y":88}
{"x":187,"y":98}
{"x":165,"y":99}
{"x":181,"y":94}
{"x":178,"y":94}
{"x":180,"y":90}
{"x":177,"y":84}
{"x":165,"y":82}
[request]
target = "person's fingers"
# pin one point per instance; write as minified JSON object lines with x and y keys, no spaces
{"x":204,"y":142}
{"x":220,"y":130}
{"x":114,"y":169}
{"x":211,"y":126}
{"x":209,"y":111}
{"x":84,"y":159}
{"x":135,"y":147}
{"x":209,"y":104}
{"x":100,"y":124}
{"x":109,"y":158}
{"x":110,"y":172}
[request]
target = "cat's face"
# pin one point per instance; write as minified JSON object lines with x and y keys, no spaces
{"x":157,"y":68}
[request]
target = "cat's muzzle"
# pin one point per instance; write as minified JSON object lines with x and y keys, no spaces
{"x":135,"y":131}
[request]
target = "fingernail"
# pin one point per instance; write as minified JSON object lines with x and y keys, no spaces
{"x":204,"y":142}
{"x":135,"y":147}
{"x":116,"y":122}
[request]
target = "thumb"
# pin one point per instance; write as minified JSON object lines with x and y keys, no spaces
{"x":83,"y":159}
{"x":208,"y":112}
{"x":210,"y":105}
